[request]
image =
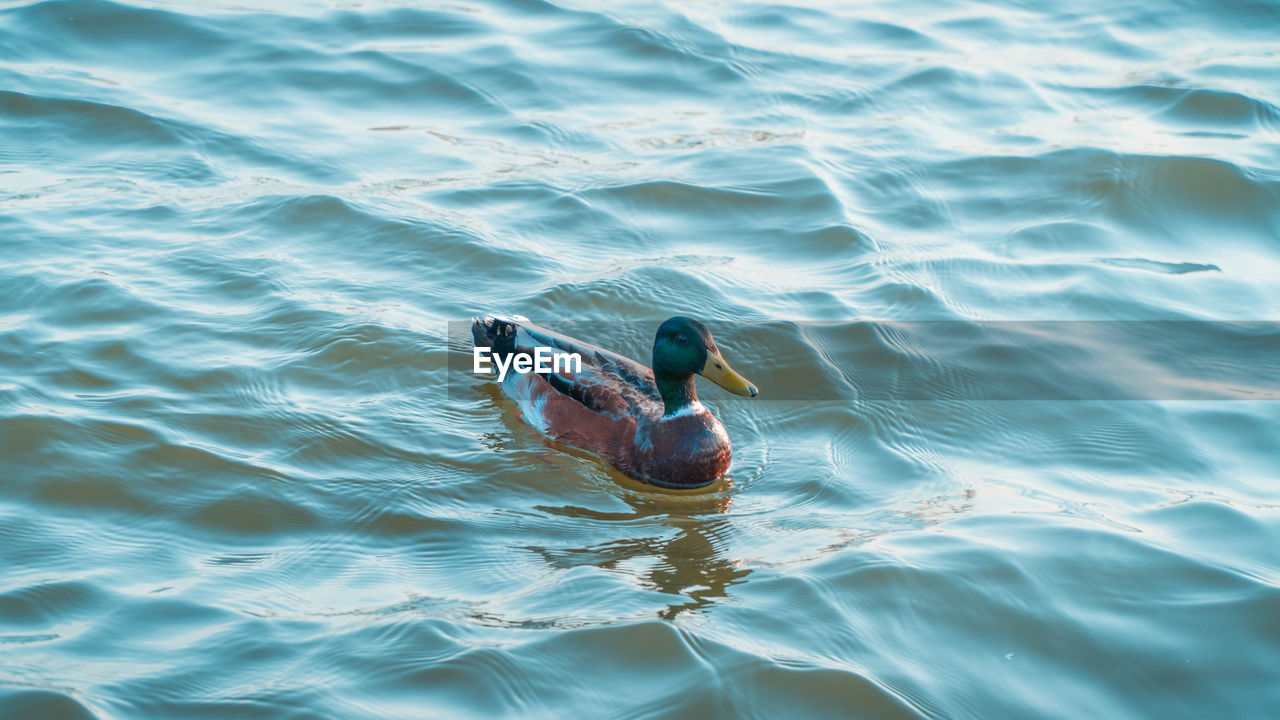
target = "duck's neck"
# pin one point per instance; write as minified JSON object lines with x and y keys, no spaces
{"x":678,"y":393}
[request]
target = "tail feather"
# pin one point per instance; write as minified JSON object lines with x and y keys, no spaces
{"x":497,"y":333}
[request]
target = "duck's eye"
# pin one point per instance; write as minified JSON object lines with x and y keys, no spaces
{"x":682,"y":339}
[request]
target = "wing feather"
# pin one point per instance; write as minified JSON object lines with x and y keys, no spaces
{"x":608,"y":383}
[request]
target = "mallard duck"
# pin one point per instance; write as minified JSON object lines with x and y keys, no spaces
{"x":647,"y":423}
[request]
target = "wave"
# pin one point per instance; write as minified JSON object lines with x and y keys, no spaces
{"x":1004,"y":276}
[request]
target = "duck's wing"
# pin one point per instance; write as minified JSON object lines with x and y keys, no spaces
{"x":607,"y":382}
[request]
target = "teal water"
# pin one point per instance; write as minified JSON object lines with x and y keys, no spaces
{"x":238,"y":478}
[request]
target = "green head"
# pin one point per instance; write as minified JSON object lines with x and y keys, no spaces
{"x":684,"y":347}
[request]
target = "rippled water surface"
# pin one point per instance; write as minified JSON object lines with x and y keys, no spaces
{"x":239,"y":479}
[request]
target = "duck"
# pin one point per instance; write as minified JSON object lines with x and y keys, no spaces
{"x":647,"y":422}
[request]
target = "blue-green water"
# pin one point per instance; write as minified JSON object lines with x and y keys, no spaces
{"x":238,"y":479}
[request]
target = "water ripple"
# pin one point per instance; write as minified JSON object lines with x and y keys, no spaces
{"x":241,"y":472}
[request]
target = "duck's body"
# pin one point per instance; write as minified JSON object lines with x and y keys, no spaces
{"x":648,"y":424}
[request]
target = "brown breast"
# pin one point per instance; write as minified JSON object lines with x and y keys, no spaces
{"x":689,"y":449}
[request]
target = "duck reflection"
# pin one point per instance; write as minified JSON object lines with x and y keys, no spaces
{"x":690,"y":564}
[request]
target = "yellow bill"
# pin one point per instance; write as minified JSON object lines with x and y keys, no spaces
{"x":718,"y":371}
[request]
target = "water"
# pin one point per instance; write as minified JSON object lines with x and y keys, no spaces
{"x":238,"y":479}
